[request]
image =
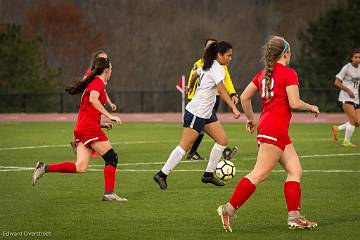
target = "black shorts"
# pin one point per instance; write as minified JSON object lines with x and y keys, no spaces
{"x":340,"y":104}
{"x":197,"y":123}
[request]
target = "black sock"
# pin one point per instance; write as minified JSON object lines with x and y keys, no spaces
{"x":208,"y":174}
{"x":196,"y":144}
{"x":161,"y":174}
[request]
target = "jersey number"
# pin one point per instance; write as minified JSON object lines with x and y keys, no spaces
{"x":263,"y":87}
{"x":200,"y":78}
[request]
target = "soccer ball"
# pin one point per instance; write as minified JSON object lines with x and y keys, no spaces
{"x":225,"y":170}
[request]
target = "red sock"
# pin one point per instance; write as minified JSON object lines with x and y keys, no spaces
{"x":64,"y":167}
{"x":242,"y":192}
{"x":109,"y":177}
{"x":292,"y":192}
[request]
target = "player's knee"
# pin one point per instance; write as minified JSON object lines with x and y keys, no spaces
{"x":110,"y":158}
{"x":295,"y":173}
{"x":357,"y":123}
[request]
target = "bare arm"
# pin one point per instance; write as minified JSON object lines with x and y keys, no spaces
{"x":295,"y":101}
{"x":94,"y":100}
{"x":225,"y":96}
{"x":338,"y":83}
{"x":111,"y":104}
{"x":245,"y":99}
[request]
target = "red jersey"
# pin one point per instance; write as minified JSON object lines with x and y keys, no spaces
{"x":89,"y":117}
{"x":276,"y":112}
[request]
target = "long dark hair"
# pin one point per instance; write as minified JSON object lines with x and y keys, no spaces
{"x":212,"y":51}
{"x":78,"y":86}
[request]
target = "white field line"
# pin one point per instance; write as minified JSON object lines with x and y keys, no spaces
{"x":147,"y":142}
{"x":21,"y":168}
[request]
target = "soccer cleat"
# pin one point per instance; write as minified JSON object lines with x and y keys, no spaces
{"x":161,"y":181}
{"x":73,"y":146}
{"x":229,"y":153}
{"x":335,"y":133}
{"x":113,"y":197}
{"x":195,"y":156}
{"x":226,"y":219}
{"x":301,"y":223}
{"x":213,"y":180}
{"x":38,"y":172}
{"x":347,"y":143}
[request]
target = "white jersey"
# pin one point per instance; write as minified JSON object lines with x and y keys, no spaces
{"x":350,"y":77}
{"x":204,"y":98}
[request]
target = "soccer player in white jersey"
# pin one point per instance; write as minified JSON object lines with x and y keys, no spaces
{"x":199,"y":115}
{"x":348,"y":80}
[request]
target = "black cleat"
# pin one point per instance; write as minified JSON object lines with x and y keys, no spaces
{"x":195,"y":156}
{"x":161,"y":181}
{"x":213,"y":180}
{"x":229,"y":153}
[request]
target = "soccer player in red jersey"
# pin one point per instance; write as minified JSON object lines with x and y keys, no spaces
{"x":103,"y":54}
{"x":279,"y":91}
{"x":88,"y":134}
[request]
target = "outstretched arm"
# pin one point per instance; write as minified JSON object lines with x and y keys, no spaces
{"x":296,"y":103}
{"x":225,"y":96}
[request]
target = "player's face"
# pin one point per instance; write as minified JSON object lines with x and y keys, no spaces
{"x":287,"y":56}
{"x":356,"y":59}
{"x":108,"y":72}
{"x":225,"y":59}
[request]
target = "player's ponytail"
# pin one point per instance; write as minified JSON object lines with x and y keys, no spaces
{"x":274,"y":47}
{"x":78,"y":86}
{"x":209,"y":56}
{"x":212,"y":51}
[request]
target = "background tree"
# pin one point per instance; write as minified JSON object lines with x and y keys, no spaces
{"x":21,"y":64}
{"x":325,"y":48}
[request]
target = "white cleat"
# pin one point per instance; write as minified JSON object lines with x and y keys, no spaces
{"x":301,"y":223}
{"x":39,"y":171}
{"x":226,"y":219}
{"x":113,"y":197}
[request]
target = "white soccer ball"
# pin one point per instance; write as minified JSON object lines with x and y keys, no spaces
{"x":225,"y":170}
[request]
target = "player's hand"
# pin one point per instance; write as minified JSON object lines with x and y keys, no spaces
{"x":107,"y":126}
{"x":314,"y":109}
{"x":351,"y":94}
{"x":113,"y":106}
{"x":235,"y":99}
{"x":115,"y":119}
{"x":250,"y":126}
{"x":236,"y":113}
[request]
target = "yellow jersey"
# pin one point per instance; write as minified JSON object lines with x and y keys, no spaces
{"x":229,"y":86}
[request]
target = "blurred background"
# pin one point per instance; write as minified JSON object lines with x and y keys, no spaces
{"x":45,"y":44}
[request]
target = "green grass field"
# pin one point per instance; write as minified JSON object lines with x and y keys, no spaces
{"x":70,"y":207}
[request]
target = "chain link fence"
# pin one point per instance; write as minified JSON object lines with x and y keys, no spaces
{"x":137,"y":101}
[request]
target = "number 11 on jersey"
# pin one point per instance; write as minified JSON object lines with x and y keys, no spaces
{"x":263,"y":86}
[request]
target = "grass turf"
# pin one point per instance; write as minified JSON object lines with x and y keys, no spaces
{"x":70,"y":207}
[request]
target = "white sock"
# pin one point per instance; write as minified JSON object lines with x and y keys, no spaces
{"x":342,"y":127}
{"x":173,"y":160}
{"x":215,"y":156}
{"x":349,"y":132}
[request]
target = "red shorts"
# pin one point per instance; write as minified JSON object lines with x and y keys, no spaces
{"x":275,"y":138}
{"x":89,"y":137}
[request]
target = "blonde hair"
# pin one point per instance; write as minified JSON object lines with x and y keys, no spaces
{"x":273,"y":49}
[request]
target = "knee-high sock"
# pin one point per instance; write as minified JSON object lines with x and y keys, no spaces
{"x":196,"y":144}
{"x":64,"y":167}
{"x":292,"y":193}
{"x":173,"y":160}
{"x":349,"y":132}
{"x":242,"y":192}
{"x":109,"y":178}
{"x":343,"y":126}
{"x":215,"y":155}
